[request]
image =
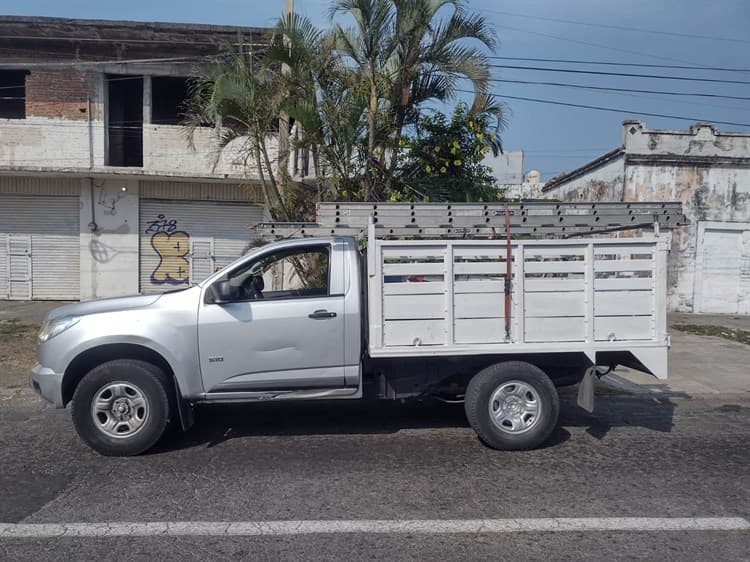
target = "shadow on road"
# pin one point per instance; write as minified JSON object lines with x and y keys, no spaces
{"x":216,"y":424}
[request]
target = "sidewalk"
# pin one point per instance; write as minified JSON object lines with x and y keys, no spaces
{"x":699,"y":365}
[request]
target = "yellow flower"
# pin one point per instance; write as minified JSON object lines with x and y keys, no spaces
{"x":480,"y":137}
{"x":471,"y":125}
{"x":437,"y":149}
{"x":427,"y":169}
{"x":401,"y":142}
{"x":457,"y":162}
{"x":453,"y":150}
{"x":394,"y":198}
{"x":455,"y":144}
{"x":443,"y":170}
{"x":484,"y":150}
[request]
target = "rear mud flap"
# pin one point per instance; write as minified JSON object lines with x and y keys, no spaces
{"x":586,"y":390}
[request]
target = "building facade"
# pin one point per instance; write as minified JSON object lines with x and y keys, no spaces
{"x":709,"y":172}
{"x":100,"y":194}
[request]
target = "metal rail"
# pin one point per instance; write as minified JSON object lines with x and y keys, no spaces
{"x":460,"y":220}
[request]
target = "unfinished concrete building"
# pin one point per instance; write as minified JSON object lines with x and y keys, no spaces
{"x":100,"y":194}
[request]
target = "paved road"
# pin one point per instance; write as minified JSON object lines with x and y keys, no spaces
{"x":637,"y":457}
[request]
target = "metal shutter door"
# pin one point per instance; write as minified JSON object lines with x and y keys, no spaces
{"x":170,"y":230}
{"x":721,"y":270}
{"x":52,"y":225}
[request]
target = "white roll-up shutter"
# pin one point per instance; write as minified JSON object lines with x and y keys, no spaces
{"x":39,"y":238}
{"x":183,"y":242}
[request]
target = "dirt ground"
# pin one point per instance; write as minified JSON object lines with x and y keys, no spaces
{"x":17,"y":353}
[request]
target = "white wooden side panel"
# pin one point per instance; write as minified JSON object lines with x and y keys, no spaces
{"x":423,"y":288}
{"x":413,"y":307}
{"x":413,"y":268}
{"x":484,"y":286}
{"x":623,"y":303}
{"x":554,"y":304}
{"x":546,"y":284}
{"x":623,"y":328}
{"x":414,"y":332}
{"x":479,"y":305}
{"x":553,"y":267}
{"x":623,"y":284}
{"x":565,"y":328}
{"x":495,"y":268}
{"x":479,"y":330}
{"x":623,"y":265}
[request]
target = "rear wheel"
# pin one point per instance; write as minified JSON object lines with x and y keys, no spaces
{"x":122,"y":407}
{"x":512,"y":405}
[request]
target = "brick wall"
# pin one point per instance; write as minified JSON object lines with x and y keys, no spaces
{"x":58,"y":94}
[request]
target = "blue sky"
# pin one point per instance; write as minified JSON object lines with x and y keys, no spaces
{"x":555,"y":138}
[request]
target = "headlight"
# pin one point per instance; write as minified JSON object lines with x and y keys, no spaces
{"x":51,"y":328}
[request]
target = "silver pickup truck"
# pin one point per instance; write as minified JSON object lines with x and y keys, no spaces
{"x":319,"y":318}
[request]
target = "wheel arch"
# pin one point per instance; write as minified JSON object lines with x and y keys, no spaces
{"x":90,"y":358}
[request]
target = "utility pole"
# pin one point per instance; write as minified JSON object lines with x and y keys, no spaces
{"x":283,"y":158}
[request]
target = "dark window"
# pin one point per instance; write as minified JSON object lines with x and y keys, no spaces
{"x":168,"y":94}
{"x":287,"y":274}
{"x":13,"y":94}
{"x":125,"y":120}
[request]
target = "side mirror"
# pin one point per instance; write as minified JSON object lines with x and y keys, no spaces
{"x":224,"y":291}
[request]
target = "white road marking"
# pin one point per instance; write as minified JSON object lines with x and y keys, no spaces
{"x":308,"y":527}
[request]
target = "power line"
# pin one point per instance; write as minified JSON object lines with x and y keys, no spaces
{"x":614,"y":110}
{"x":623,"y":74}
{"x":617,"y":63}
{"x":618,"y":27}
{"x":627,"y":90}
{"x":597,"y":45}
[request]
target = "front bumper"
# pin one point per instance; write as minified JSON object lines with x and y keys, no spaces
{"x":47,"y":384}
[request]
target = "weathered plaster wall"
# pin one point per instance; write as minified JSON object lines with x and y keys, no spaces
{"x":708,"y":171}
{"x":604,"y":183}
{"x":706,"y":193}
{"x":109,"y":256}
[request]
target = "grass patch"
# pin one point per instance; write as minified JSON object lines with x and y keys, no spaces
{"x":10,"y":329}
{"x":17,"y":353}
{"x":733,"y":334}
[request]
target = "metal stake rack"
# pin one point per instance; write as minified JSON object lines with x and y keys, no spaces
{"x":480,"y":220}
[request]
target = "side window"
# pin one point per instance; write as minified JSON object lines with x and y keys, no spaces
{"x":286,"y":274}
{"x":300,"y":274}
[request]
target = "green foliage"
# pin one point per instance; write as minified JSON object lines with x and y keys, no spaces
{"x":356,"y":94}
{"x":443,"y":160}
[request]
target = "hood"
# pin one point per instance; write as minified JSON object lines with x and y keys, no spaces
{"x":104,"y":305}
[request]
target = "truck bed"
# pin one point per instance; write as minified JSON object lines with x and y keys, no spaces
{"x":603,"y":297}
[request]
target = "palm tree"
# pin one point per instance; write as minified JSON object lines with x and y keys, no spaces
{"x":405,"y":54}
{"x":240,"y":100}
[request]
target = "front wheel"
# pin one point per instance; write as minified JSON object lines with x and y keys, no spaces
{"x":512,"y":405}
{"x":122,"y":407}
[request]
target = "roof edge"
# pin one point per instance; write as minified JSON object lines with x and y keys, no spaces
{"x":593,"y":165}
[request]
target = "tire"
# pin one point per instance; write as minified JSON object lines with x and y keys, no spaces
{"x":122,"y":407}
{"x":512,"y":390}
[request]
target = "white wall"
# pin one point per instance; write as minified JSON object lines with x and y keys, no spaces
{"x":49,"y":143}
{"x":109,"y":256}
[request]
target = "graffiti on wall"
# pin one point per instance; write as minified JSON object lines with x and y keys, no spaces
{"x":172,"y":246}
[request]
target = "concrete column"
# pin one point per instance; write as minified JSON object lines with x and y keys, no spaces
{"x":109,"y":254}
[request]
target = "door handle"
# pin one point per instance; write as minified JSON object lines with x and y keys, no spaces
{"x":320,"y":314}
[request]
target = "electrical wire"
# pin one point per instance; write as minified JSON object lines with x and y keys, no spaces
{"x":616,"y":63}
{"x":612,"y":109}
{"x":617,"y":27}
{"x":620,"y":74}
{"x":626,"y":90}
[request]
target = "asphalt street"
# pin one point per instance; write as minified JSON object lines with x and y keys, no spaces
{"x":338,"y":461}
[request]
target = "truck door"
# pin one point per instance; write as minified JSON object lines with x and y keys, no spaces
{"x":282,"y":329}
